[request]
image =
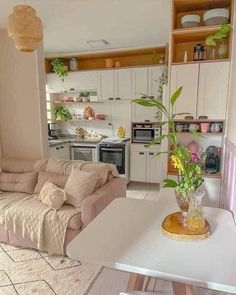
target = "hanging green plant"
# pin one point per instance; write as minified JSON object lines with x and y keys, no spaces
{"x":61,"y":114}
{"x":59,"y":68}
{"x":222,"y":33}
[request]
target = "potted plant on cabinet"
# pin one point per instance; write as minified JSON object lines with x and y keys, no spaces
{"x":60,"y":69}
{"x":61,"y":114}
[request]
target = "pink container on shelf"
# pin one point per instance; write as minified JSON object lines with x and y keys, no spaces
{"x":100,"y":117}
{"x":204,"y":127}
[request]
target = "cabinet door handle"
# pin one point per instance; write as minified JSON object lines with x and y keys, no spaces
{"x":110,"y":98}
{"x":141,"y":153}
{"x":117,"y":98}
{"x":57,"y":148}
{"x":62,"y":147}
{"x":151,"y":154}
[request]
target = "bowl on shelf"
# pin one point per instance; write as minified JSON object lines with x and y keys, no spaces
{"x":217,"y":16}
{"x":99,"y":116}
{"x":190,"y":20}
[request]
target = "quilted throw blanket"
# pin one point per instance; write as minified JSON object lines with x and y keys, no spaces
{"x":32,"y":219}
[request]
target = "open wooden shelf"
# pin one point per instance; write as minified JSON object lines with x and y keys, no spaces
{"x":206,"y":175}
{"x":199,"y":121}
{"x":196,"y":33}
{"x":200,"y":133}
{"x":72,"y":103}
{"x":127,"y":58}
{"x":183,"y":7}
{"x":200,"y":61}
{"x":185,"y":39}
{"x":81,"y":120}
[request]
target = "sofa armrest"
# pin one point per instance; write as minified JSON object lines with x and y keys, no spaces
{"x":95,"y":203}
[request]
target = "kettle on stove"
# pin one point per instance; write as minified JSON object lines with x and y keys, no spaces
{"x":212,"y":162}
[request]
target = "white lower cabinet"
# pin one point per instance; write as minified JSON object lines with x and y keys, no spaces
{"x":153,"y":173}
{"x":60,"y":151}
{"x":145,"y":166}
{"x":138,"y":166}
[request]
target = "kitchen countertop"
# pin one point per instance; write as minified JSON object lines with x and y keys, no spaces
{"x":62,"y":140}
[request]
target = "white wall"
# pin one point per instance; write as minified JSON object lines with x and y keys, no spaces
{"x":231,"y":118}
{"x":23,"y":125}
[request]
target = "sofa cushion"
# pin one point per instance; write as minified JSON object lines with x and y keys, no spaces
{"x":104,"y":171}
{"x":18,"y":182}
{"x":17,"y":166}
{"x":52,"y":196}
{"x":80,"y":184}
{"x":57,"y":179}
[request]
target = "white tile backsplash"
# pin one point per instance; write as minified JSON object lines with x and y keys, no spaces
{"x":117,"y":114}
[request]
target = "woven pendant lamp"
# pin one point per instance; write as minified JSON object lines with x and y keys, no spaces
{"x":25,"y":28}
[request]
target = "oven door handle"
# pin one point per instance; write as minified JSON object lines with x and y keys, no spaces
{"x":111,"y":150}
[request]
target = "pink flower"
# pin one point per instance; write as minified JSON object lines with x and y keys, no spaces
{"x":195,"y":157}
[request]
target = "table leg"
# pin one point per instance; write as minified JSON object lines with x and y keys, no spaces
{"x":182,"y":289}
{"x":136,"y":282}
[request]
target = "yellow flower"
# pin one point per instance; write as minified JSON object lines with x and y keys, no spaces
{"x":177,"y":163}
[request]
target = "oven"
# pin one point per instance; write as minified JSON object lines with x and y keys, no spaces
{"x":84,"y":153}
{"x":144,"y":133}
{"x":116,"y":154}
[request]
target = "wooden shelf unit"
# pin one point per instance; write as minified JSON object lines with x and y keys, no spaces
{"x":75,"y":102}
{"x":127,"y":58}
{"x":185,"y":39}
{"x":206,"y":175}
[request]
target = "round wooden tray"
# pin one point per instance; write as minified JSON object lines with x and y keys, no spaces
{"x":173,"y":228}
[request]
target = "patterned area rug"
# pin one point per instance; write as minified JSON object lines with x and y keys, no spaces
{"x":31,"y":272}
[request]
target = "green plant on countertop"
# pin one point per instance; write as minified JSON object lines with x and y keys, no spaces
{"x":187,"y":164}
{"x":59,"y":68}
{"x":84,"y":94}
{"x":222,"y":33}
{"x":61,"y":114}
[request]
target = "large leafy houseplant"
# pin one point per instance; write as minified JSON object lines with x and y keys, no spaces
{"x":187,"y":164}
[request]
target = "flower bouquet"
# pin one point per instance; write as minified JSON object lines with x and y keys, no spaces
{"x":188,"y":165}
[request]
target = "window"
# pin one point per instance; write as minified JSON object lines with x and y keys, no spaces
{"x":49,"y":108}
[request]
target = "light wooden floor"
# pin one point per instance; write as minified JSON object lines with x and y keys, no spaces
{"x":112,"y":282}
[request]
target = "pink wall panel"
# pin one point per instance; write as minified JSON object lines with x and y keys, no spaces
{"x":228,"y":200}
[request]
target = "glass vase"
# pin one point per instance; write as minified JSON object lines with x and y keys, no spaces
{"x":195,"y":219}
{"x":183,"y":203}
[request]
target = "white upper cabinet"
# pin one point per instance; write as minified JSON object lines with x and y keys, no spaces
{"x":54,"y":84}
{"x":154,"y":74}
{"x":205,"y":91}
{"x":123,"y":84}
{"x":106,"y":90}
{"x":83,"y":81}
{"x":139,"y":82}
{"x":213,"y":90}
{"x":144,"y":81}
{"x":115,"y":84}
{"x":186,"y":76}
{"x":87,"y":80}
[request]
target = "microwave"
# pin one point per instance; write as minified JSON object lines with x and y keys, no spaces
{"x":144,"y":133}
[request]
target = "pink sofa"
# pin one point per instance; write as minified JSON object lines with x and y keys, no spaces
{"x":115,"y":187}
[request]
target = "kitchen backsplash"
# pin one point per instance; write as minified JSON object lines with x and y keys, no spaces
{"x":117,"y":114}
